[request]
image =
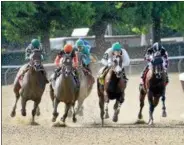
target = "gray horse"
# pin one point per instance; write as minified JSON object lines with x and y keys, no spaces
{"x":31,"y":86}
{"x":85,"y":84}
{"x":64,"y":89}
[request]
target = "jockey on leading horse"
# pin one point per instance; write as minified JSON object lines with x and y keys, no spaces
{"x":68,"y":49}
{"x":84,"y":47}
{"x":159,"y":50}
{"x":107,"y":59}
{"x":35,"y":45}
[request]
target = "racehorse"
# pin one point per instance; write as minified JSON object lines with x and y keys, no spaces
{"x":86,"y":83}
{"x":113,"y":88}
{"x":64,"y":89}
{"x":154,"y":86}
{"x":31,"y":86}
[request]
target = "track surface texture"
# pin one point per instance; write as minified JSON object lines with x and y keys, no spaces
{"x":88,"y":130}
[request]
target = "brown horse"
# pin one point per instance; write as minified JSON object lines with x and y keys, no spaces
{"x":113,"y":88}
{"x":64,"y":89}
{"x":32,"y":85}
{"x":154,"y":86}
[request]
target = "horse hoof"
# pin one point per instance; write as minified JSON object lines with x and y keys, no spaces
{"x":106,"y":116}
{"x":115,"y":119}
{"x":150,"y":122}
{"x":164,"y":114}
{"x":140,"y":116}
{"x":23,"y":113}
{"x":74,"y":120}
{"x":34,"y":123}
{"x":13,"y":114}
{"x":54,"y":119}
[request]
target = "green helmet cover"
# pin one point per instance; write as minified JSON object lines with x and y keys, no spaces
{"x":116,"y":46}
{"x":35,"y":43}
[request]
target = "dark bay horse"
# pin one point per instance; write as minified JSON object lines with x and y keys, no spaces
{"x":32,"y":85}
{"x":113,"y":88}
{"x":86,"y":83}
{"x":154,"y":86}
{"x":64,"y":89}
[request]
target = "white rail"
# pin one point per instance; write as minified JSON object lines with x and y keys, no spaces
{"x":8,"y":67}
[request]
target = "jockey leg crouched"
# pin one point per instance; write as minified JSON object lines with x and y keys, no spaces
{"x":24,"y":71}
{"x":143,"y":73}
{"x":56,"y":71}
{"x":103,"y":74}
{"x":89,"y":73}
{"x":124,"y":75}
{"x":76,"y":77}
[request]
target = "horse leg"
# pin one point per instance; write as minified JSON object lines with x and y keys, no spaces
{"x":117,"y":107}
{"x":55,"y":113}
{"x":38,"y":111}
{"x":51,"y":94}
{"x":153,"y":103}
{"x":74,"y":114}
{"x":35,"y":107}
{"x":164,"y":114}
{"x":106,"y":100}
{"x":79,"y":109}
{"x":23,"y":110}
{"x":17,"y":95}
{"x":101,"y":104}
{"x":141,"y":99}
{"x":67,"y":107}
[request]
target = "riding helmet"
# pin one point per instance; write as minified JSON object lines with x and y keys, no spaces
{"x":68,"y":48}
{"x":116,"y":46}
{"x":35,"y":43}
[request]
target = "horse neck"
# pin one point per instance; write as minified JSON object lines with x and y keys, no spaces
{"x":111,"y":76}
{"x":154,"y":79}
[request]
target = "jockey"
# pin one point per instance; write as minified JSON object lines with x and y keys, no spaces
{"x":158,"y":49}
{"x":107,"y":59}
{"x":34,"y":45}
{"x":68,"y":49}
{"x":84,"y":47}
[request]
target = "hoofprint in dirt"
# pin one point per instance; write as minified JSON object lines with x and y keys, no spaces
{"x":88,"y":130}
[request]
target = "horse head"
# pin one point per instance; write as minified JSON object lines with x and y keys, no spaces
{"x":157,"y":67}
{"x":117,"y":65}
{"x":35,"y":62}
{"x":66,"y":62}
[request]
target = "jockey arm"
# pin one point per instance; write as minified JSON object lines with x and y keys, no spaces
{"x":28,"y":52}
{"x":107,"y":57}
{"x":149,"y":55}
{"x":126,"y":58}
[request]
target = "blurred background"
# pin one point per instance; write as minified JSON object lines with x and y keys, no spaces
{"x":136,"y":25}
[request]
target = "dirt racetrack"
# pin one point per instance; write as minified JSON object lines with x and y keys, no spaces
{"x":88,"y":130}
